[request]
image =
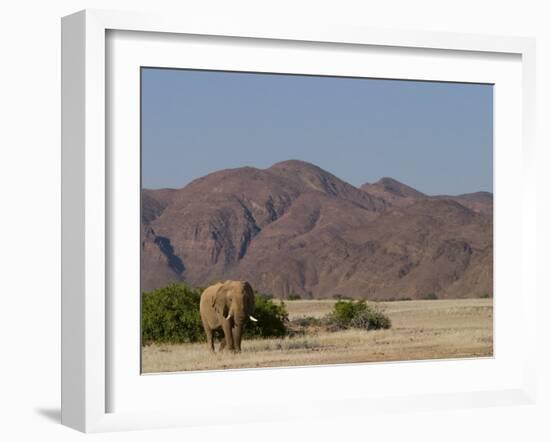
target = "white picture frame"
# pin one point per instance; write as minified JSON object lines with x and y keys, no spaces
{"x":87,"y":206}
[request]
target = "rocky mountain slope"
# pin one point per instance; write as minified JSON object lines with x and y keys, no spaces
{"x":296,"y":228}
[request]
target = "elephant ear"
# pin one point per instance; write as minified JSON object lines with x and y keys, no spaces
{"x":219,"y":301}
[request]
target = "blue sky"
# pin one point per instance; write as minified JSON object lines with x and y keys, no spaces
{"x":436,"y":137}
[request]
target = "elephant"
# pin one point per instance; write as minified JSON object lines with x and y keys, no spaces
{"x":227,"y":305}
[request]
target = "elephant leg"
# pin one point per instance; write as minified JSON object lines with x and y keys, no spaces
{"x":209,"y":338}
{"x":222,"y":345}
{"x":228,"y":335}
{"x":236,"y":333}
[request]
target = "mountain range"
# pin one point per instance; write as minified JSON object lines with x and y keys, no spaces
{"x":295,"y":228}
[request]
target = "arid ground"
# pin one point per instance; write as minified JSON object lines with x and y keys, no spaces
{"x":420,"y":330}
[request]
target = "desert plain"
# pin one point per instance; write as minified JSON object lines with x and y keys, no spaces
{"x":421,"y":330}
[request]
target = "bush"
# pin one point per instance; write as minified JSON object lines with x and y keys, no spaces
{"x":339,"y":296}
{"x":371,"y":319}
{"x":272,"y":319}
{"x":397,"y":298}
{"x":359,"y":314}
{"x":429,"y":296}
{"x":294,"y":297}
{"x":171,"y":315}
{"x":485,"y":296}
{"x":344,"y":311}
{"x":307,"y":321}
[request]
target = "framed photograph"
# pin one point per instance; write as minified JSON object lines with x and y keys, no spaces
{"x":292,"y":222}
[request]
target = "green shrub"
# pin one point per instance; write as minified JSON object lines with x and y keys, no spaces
{"x":272,"y":319}
{"x":344,"y":311}
{"x":171,"y":315}
{"x":358,"y":314}
{"x":485,"y":296}
{"x":294,"y":297}
{"x":371,"y":319}
{"x":429,"y":296}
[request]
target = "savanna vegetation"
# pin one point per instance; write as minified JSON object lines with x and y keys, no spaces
{"x":171,"y":315}
{"x":312,"y":332}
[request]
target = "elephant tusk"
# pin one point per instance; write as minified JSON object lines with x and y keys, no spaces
{"x":228,"y":317}
{"x":252,"y":318}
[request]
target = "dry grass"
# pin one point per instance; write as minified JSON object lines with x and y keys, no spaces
{"x":420,"y":330}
